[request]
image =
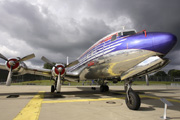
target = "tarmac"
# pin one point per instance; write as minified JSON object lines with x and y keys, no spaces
{"x":82,"y":103}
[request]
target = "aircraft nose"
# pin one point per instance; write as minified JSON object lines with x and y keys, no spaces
{"x":164,"y":42}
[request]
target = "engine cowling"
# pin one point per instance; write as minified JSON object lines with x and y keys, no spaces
{"x":14,"y":63}
{"x":58,"y":68}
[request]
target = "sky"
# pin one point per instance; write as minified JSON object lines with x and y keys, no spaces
{"x":60,"y":28}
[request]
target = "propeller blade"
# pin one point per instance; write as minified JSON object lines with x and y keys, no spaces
{"x":59,"y":83}
{"x":9,"y":78}
{"x":47,"y":61}
{"x":3,"y":57}
{"x":27,"y":57}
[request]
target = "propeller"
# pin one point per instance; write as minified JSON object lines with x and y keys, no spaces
{"x":12,"y":64}
{"x":3,"y":57}
{"x":27,"y":57}
{"x":57,"y":71}
{"x":57,"y":68}
{"x":9,"y":78}
{"x":47,"y":61}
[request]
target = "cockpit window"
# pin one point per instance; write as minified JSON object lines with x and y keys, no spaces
{"x":129,"y":33}
{"x":113,"y":37}
{"x":119,"y":34}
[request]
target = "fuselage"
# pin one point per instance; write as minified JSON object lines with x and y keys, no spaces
{"x":119,"y":51}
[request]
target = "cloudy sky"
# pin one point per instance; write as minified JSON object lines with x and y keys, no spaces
{"x":60,"y":28}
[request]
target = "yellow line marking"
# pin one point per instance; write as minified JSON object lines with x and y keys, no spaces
{"x":32,"y":110}
{"x":82,"y":100}
{"x":172,"y":100}
{"x":153,"y":97}
{"x":103,"y":99}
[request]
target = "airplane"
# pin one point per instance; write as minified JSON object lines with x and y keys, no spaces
{"x":120,"y":56}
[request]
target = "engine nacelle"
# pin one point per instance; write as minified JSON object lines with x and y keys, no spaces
{"x":58,"y":68}
{"x":14,"y":63}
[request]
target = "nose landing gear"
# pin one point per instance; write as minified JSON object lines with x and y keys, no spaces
{"x":133,"y":100}
{"x":57,"y":85}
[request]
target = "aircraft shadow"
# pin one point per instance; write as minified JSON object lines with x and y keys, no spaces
{"x":87,"y":92}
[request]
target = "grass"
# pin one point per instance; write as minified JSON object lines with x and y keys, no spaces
{"x":35,"y":82}
{"x":48,"y":82}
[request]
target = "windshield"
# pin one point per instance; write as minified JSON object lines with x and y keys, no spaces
{"x":129,"y":33}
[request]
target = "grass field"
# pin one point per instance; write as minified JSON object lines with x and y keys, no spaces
{"x":48,"y":82}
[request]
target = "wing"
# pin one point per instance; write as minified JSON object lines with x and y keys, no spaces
{"x":152,"y":64}
{"x":2,"y":66}
{"x":43,"y":72}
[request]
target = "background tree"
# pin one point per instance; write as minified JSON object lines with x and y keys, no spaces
{"x":48,"y":66}
{"x":160,"y":74}
{"x":174,"y":73}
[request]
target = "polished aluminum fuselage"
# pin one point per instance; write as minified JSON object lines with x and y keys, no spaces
{"x":108,"y":59}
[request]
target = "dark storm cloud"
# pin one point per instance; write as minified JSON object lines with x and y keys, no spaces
{"x":159,"y":15}
{"x":155,"y":15}
{"x":68,"y":28}
{"x":25,"y":22}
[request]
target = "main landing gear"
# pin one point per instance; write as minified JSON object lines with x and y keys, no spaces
{"x":53,"y":88}
{"x":104,"y":88}
{"x":133,"y":100}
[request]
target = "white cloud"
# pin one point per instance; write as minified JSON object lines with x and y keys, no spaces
{"x":120,"y":22}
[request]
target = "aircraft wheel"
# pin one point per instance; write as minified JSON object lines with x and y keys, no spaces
{"x":134,"y":101}
{"x":52,"y":88}
{"x":106,"y":87}
{"x":102,"y":88}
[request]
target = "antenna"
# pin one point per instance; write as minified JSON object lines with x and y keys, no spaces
{"x":67,"y":62}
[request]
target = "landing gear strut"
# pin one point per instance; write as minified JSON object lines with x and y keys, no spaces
{"x":57,"y":85}
{"x":133,"y":100}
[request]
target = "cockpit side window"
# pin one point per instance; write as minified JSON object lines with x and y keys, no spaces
{"x":113,"y":37}
{"x":119,"y":34}
{"x":129,"y":33}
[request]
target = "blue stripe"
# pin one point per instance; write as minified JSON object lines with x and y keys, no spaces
{"x":99,"y":52}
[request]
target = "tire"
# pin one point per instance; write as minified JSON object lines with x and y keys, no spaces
{"x":52,"y":88}
{"x":106,"y":88}
{"x":102,"y":88}
{"x":134,"y":101}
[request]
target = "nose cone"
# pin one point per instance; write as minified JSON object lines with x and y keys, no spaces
{"x":164,"y":42}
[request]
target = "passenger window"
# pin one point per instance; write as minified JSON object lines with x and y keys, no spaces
{"x":113,"y":37}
